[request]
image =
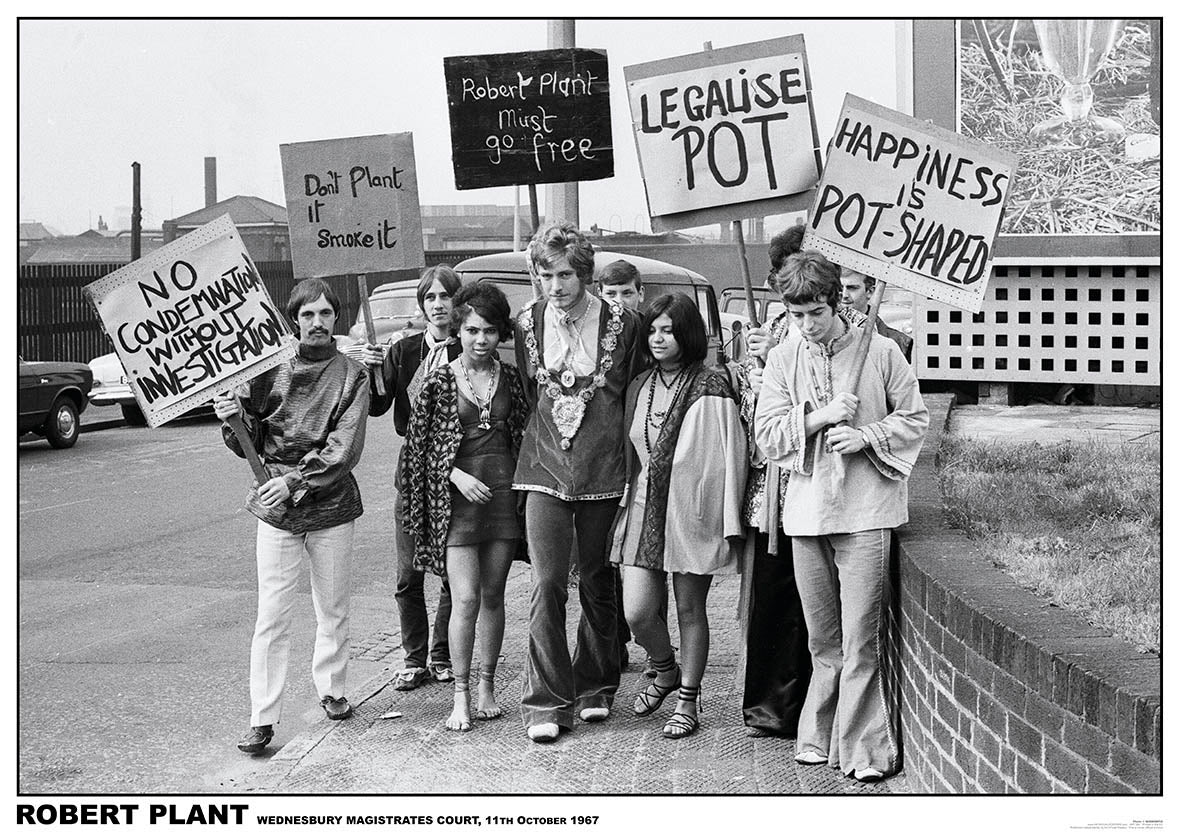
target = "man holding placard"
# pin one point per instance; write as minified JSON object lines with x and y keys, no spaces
{"x":849,"y":448}
{"x":306,"y":419}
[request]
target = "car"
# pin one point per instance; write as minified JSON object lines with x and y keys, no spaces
{"x":112,"y":388}
{"x":394,"y":306}
{"x":510,"y":272}
{"x":52,"y":397}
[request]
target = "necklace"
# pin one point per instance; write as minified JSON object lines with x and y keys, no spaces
{"x":483,"y":404}
{"x":568,"y":409}
{"x":679,"y":381}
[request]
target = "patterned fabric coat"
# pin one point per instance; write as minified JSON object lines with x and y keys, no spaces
{"x":432,"y":441}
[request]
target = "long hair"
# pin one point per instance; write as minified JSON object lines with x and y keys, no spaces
{"x":441,"y":273}
{"x":688,"y":326}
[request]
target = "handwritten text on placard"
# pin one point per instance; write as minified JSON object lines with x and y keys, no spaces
{"x":724,"y":133}
{"x":911,"y":203}
{"x":190,"y":318}
{"x":529,"y":117}
{"x":352,"y":205}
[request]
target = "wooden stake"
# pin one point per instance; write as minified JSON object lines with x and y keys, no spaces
{"x":370,"y":332}
{"x":868,"y":328}
{"x":751,"y":309}
{"x":260,"y":473}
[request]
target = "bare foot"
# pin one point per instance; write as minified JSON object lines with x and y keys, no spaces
{"x":486,"y":706}
{"x":461,"y":717}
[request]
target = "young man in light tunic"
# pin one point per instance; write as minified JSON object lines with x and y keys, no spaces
{"x":848,"y":451}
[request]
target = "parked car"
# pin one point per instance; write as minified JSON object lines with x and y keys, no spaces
{"x":51,"y":398}
{"x":112,"y":388}
{"x":394,"y":306}
{"x":896,"y":310}
{"x":510,"y":273}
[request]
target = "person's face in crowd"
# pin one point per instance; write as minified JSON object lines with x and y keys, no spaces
{"x":624,"y":294}
{"x":817,"y":321}
{"x":436,"y":308}
{"x":478,"y":338}
{"x":853,"y":292}
{"x":662,"y":343}
{"x":561,"y":285}
{"x":316,"y":321}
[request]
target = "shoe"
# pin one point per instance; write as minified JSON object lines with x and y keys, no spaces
{"x":408,"y":679}
{"x":869,"y":774}
{"x":810,"y":758}
{"x":441,"y":671}
{"x":653,"y":696}
{"x":256,"y":741}
{"x":680,"y":725}
{"x":543,"y":732}
{"x":595,"y":714}
{"x":337,"y":708}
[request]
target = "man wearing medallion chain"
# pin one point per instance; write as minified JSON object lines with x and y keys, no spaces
{"x":576,"y":354}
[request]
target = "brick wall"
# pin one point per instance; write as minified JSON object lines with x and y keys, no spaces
{"x":1001,"y":692}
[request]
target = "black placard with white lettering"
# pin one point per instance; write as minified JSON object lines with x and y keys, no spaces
{"x":529,"y":117}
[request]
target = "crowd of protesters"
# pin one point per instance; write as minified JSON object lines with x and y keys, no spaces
{"x":614,"y":445}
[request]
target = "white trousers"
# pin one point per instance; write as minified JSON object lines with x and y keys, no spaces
{"x":280,"y":555}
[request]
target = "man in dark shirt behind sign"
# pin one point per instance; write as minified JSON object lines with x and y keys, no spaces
{"x":306,"y":418}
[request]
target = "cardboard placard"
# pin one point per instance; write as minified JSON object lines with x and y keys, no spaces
{"x":910,"y":203}
{"x":725,"y":134}
{"x":529,"y":117}
{"x":191,"y":319}
{"x":352,"y":205}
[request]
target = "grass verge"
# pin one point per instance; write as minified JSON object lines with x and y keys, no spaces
{"x":1076,"y":523}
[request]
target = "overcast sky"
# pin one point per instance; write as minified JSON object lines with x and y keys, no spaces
{"x":96,"y":95}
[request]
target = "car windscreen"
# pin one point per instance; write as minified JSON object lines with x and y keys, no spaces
{"x":402,"y":306}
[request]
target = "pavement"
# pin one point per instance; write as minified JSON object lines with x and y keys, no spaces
{"x":413,"y":753}
{"x":397,"y":743}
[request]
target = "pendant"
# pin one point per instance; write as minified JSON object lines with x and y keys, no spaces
{"x":567,"y":413}
{"x":567,"y":378}
{"x":485,"y":419}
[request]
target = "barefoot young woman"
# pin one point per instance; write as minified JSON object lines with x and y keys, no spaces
{"x":461,"y":448}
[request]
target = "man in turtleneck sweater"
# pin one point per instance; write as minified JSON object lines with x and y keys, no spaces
{"x":307,"y":420}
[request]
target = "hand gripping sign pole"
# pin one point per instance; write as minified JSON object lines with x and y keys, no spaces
{"x":370,"y":332}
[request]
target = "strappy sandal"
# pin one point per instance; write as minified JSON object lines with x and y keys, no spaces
{"x":681,"y":724}
{"x":653,"y":696}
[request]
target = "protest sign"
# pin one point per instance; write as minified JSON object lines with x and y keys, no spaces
{"x":910,"y":203}
{"x":352,"y":205}
{"x":726,"y":133}
{"x":190,"y":319}
{"x":529,"y":117}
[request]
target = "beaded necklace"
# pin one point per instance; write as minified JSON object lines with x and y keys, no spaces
{"x":679,"y":380}
{"x":568,"y":408}
{"x":484,"y":405}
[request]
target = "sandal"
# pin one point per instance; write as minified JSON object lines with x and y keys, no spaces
{"x":653,"y":696}
{"x":681,"y":724}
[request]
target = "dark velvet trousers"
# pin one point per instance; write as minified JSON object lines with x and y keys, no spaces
{"x":778,"y":664}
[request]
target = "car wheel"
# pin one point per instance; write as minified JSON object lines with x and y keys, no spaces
{"x":133,"y":415}
{"x":61,"y":427}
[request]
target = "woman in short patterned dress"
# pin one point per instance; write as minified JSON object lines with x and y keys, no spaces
{"x":461,"y":449}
